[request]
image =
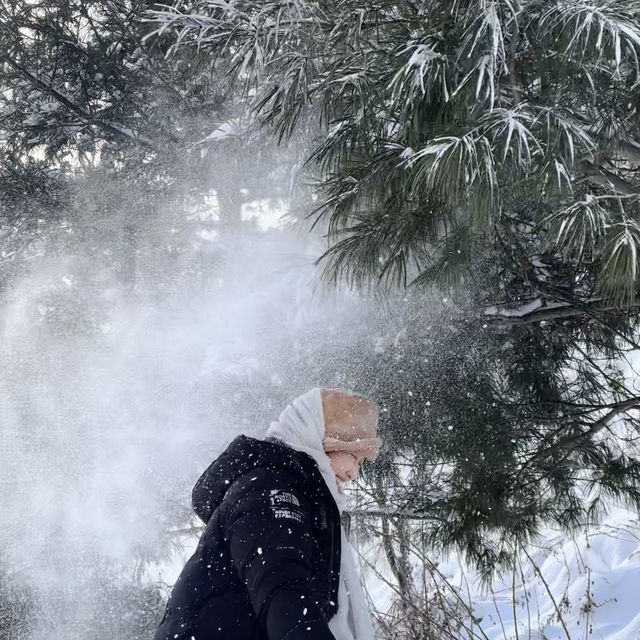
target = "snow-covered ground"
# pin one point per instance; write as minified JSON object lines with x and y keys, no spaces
{"x":586,"y":588}
{"x":581,"y":588}
{"x":592,"y":587}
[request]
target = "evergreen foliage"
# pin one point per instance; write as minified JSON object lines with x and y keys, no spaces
{"x":489,"y":148}
{"x":444,"y":119}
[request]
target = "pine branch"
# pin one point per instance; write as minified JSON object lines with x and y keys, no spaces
{"x":601,"y":177}
{"x":598,"y":425}
{"x":401,"y":515}
{"x":117,"y":130}
{"x":571,"y":443}
{"x":540,"y":310}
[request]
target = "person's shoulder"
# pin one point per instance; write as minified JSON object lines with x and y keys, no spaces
{"x":271,"y":466}
{"x":264,"y":489}
{"x":266,"y":477}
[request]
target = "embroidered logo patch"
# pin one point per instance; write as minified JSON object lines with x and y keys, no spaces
{"x":285,"y":504}
{"x":283,"y":497}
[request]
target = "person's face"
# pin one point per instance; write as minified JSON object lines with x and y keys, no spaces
{"x":345,"y":465}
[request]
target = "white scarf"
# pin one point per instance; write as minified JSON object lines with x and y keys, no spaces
{"x":301,"y":426}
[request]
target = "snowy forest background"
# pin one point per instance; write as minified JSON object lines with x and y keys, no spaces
{"x":208,"y":207}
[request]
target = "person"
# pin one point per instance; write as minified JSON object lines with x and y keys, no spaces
{"x":273,"y":562}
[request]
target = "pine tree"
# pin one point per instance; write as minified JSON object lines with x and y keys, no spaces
{"x":490,"y":149}
{"x":449,"y":120}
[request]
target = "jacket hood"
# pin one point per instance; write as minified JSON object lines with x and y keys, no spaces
{"x":244,"y":454}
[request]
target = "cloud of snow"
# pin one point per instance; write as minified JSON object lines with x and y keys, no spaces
{"x":116,"y":394}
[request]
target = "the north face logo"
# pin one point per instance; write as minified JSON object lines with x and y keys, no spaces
{"x":285,"y":504}
{"x":278,"y":497}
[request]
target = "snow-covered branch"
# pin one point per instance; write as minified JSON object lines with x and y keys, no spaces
{"x":119,"y":131}
{"x":539,"y":310}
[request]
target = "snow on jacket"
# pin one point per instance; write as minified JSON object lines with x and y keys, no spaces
{"x":268,"y":562}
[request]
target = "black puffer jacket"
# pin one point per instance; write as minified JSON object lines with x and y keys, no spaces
{"x":267,"y":564}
